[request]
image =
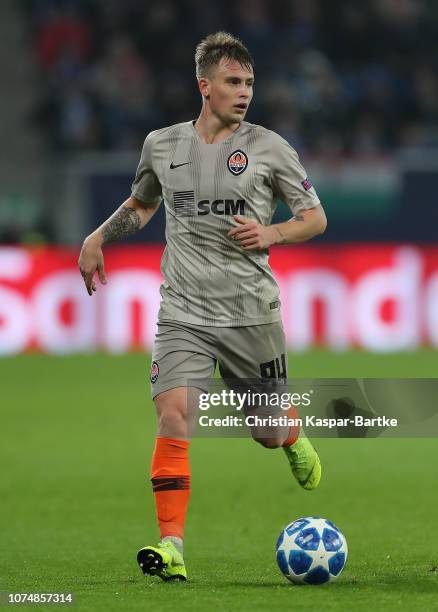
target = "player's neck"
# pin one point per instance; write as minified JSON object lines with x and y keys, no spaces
{"x":211,"y":130}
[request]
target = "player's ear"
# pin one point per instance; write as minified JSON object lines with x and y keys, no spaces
{"x":204,"y":88}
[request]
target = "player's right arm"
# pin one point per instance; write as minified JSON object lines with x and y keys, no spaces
{"x":128,"y":219}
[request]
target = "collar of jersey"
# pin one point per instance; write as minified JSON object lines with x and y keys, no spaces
{"x":210,"y":144}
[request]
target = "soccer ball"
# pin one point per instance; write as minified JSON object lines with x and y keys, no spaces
{"x":311,"y":550}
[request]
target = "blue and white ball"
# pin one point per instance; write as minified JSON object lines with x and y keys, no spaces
{"x":311,"y":550}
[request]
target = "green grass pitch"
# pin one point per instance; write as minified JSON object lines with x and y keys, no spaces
{"x":76,"y":439}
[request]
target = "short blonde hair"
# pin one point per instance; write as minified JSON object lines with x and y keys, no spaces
{"x":214,"y":47}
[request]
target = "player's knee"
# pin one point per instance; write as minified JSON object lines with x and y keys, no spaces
{"x":269,"y":442}
{"x":172,"y":416}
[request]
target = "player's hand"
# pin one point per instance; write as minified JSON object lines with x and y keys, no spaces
{"x":91,"y":261}
{"x":253,"y":236}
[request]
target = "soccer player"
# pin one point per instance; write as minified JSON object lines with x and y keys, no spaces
{"x":219,"y":178}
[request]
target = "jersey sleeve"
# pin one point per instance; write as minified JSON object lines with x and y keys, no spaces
{"x":289,"y":180}
{"x":146,"y":186}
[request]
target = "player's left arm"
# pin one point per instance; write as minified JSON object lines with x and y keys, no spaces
{"x":254,"y":236}
{"x":290,"y":183}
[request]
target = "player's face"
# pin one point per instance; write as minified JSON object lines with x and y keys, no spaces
{"x":230,"y":90}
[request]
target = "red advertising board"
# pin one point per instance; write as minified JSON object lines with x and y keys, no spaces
{"x":378,"y":297}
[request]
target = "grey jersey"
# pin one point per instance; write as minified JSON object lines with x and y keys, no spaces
{"x":208,"y":278}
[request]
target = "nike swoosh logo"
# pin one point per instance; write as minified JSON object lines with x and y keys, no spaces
{"x":173,"y":166}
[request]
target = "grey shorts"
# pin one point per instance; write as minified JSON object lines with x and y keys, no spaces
{"x":183,"y":352}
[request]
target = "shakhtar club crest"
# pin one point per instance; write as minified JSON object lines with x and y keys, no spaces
{"x":154,"y":372}
{"x":237,"y":162}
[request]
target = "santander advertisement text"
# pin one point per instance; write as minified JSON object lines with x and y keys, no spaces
{"x":377,"y":297}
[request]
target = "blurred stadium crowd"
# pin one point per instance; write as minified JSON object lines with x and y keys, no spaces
{"x":337,"y":77}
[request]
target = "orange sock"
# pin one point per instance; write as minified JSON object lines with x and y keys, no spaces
{"x":294,"y":431}
{"x":170,"y":477}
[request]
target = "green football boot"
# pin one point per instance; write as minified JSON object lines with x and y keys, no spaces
{"x":304,"y":463}
{"x":162,"y":560}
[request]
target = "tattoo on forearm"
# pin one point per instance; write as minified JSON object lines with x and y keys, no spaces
{"x":123,"y":223}
{"x":277,"y":229}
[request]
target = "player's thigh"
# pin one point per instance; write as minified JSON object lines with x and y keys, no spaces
{"x":254,"y":359}
{"x":253,"y":352}
{"x":183,"y":362}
